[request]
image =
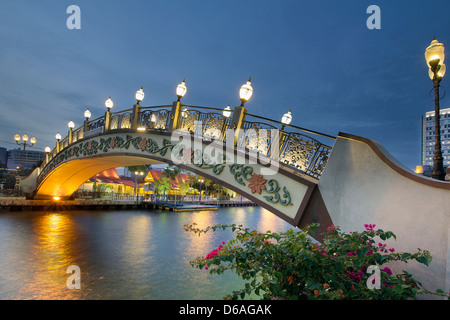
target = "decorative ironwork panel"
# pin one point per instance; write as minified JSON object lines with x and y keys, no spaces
{"x":145,"y":118}
{"x":257,"y":137}
{"x":125,"y":121}
{"x":189,"y":119}
{"x":160,"y":119}
{"x":305,"y":153}
{"x":114,"y":124}
{"x":214,"y":126}
{"x":97,"y":124}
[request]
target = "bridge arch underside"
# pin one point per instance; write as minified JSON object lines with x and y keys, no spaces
{"x":64,"y":180}
{"x":305,"y":203}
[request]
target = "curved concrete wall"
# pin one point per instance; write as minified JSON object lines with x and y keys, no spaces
{"x":363,"y":183}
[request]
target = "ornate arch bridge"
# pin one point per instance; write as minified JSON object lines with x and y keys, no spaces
{"x":300,"y":175}
{"x":276,"y":165}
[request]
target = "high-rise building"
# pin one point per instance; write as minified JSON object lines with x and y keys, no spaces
{"x":428,"y":136}
{"x":31,"y":158}
{"x":3,"y":157}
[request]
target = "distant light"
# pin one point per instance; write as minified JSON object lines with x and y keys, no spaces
{"x":25,"y":138}
{"x":184,"y":113}
{"x":109,"y":103}
{"x":47,"y":149}
{"x":56,"y":198}
{"x":71,"y":124}
{"x":58,"y":136}
{"x":181,"y":90}
{"x":33,"y":140}
{"x":227,"y":112}
{"x":141,"y":128}
{"x":140,"y":95}
{"x":246,"y":91}
{"x":17,"y":137}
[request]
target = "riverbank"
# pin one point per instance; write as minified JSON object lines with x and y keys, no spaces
{"x":22,"y":204}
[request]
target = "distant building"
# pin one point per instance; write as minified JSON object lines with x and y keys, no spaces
{"x":3,"y":157}
{"x":31,"y":158}
{"x":428,"y":136}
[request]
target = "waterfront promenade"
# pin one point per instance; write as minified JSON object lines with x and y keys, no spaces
{"x":119,"y":202}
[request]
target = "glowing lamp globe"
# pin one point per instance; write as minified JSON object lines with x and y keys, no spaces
{"x":140,"y":95}
{"x":246,"y":91}
{"x":287,"y":118}
{"x":181,"y":89}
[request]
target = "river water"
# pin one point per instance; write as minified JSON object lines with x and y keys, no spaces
{"x":138,"y":254}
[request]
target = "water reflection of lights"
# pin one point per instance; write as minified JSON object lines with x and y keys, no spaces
{"x":52,"y":255}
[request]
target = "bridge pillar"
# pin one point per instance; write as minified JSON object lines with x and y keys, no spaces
{"x":86,"y":126}
{"x":70,"y":136}
{"x":107,"y":120}
{"x":175,"y":116}
{"x":136,"y":116}
{"x":237,"y":121}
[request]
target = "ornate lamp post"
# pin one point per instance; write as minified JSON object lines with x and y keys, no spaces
{"x":227,"y":112}
{"x":177,"y":113}
{"x":137,"y":107}
{"x":71,"y":126}
{"x":58,"y":139}
{"x":108,"y":104}
{"x":239,"y":113}
{"x":246,"y":92}
{"x":87,"y":115}
{"x":24,"y":143}
{"x":434,"y":55}
{"x":136,"y":174}
{"x":286,"y":119}
{"x":201,"y":184}
{"x":47,"y":152}
{"x":181,"y":90}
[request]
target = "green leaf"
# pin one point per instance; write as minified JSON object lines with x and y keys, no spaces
{"x":406,"y":256}
{"x":425,"y":260}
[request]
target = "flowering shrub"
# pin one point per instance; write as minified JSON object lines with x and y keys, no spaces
{"x":291,"y":265}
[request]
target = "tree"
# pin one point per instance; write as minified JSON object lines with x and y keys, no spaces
{"x":142,"y":168}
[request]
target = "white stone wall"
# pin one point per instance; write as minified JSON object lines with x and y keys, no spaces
{"x":360,"y":186}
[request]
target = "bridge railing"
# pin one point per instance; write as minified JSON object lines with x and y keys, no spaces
{"x":301,"y":149}
{"x":291,"y":145}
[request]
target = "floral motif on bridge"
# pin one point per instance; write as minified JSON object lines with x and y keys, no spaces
{"x":257,"y":183}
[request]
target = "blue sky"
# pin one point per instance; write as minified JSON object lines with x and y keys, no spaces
{"x":317,"y":58}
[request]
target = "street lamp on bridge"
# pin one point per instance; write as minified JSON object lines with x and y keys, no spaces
{"x":286,"y":119}
{"x":25,"y":144}
{"x":71,"y":126}
{"x":434,"y":55}
{"x":246,"y":92}
{"x":181,"y":90}
{"x":109,"y":104}
{"x":137,"y":107}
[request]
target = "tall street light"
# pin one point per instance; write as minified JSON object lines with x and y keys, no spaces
{"x":434,"y":55}
{"x":136,"y":187}
{"x":25,"y":144}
